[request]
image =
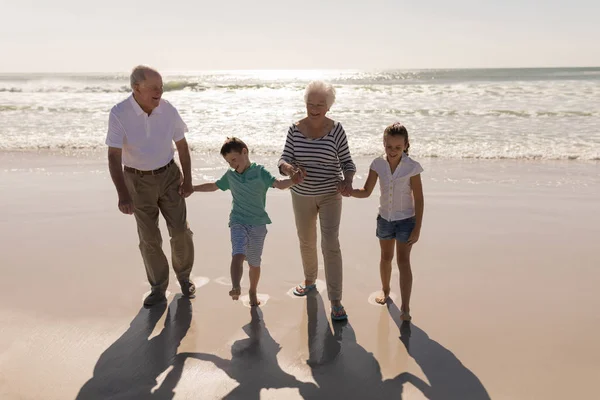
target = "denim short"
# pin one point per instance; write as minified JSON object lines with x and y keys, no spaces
{"x":249,"y":241}
{"x":399,"y":230}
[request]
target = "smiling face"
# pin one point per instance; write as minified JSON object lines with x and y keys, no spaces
{"x":316,"y":106}
{"x":238,"y":161}
{"x":148,"y":92}
{"x":394,"y":146}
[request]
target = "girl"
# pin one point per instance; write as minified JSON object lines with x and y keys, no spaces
{"x":400,"y":210}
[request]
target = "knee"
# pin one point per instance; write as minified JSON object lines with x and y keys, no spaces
{"x":151,"y":244}
{"x":180,"y":231}
{"x":404,"y":266}
{"x":239,"y":258}
{"x":307,"y":242}
{"x":387,"y":257}
{"x":331,"y":248}
{"x":330,"y":241}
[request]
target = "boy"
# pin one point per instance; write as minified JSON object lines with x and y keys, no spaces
{"x":248,"y":220}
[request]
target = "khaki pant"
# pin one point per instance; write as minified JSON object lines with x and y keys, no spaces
{"x":151,"y":194}
{"x":328,"y":208}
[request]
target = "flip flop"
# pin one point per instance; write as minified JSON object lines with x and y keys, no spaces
{"x":342,"y":316}
{"x":304,"y":289}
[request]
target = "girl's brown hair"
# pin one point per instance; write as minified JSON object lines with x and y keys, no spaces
{"x":397,"y":129}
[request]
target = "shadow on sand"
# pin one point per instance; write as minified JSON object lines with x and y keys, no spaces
{"x":253,"y":363}
{"x":341,"y":368}
{"x":128,"y":369}
{"x":448,"y":377}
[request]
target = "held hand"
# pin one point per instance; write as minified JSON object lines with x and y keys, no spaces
{"x":290,"y":170}
{"x":186,"y":188}
{"x":302,"y":171}
{"x":297,"y":177}
{"x":125,"y":204}
{"x":414,"y":237}
{"x":345,"y":187}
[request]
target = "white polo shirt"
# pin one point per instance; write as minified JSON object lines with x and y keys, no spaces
{"x":396,"y":201}
{"x":146,"y":140}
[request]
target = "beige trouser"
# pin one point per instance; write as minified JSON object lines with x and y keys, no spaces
{"x":328,"y":208}
{"x":151,"y":193}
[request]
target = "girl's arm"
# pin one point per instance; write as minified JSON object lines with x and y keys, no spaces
{"x":368,"y":188}
{"x":417,"y":190}
{"x":206,"y":187}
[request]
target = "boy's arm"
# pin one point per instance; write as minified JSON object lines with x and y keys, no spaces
{"x":368,"y":188}
{"x":283,"y":183}
{"x":206,"y":187}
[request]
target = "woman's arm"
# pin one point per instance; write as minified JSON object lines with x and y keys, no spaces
{"x":287,"y":157}
{"x":348,"y":166}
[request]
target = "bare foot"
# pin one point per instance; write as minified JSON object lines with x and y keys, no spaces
{"x":383,"y":298}
{"x":235,"y":293}
{"x":405,"y":316}
{"x":253,"y":299}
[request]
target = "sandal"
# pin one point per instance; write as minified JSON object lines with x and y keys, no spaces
{"x":338,"y":313}
{"x":405,"y":316}
{"x":302,"y":290}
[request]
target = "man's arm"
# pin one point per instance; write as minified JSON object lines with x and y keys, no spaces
{"x":115,"y":166}
{"x":185,"y":159}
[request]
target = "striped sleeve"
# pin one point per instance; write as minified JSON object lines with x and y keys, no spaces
{"x":343,"y":151}
{"x":288,"y":151}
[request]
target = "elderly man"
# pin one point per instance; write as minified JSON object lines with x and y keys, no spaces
{"x":141,"y":132}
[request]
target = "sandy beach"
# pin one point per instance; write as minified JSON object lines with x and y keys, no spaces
{"x":505,"y":300}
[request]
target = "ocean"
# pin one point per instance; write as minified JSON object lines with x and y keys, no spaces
{"x":521,"y":114}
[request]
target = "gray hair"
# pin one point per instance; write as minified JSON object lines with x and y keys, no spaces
{"x":138,"y":74}
{"x":321,"y":87}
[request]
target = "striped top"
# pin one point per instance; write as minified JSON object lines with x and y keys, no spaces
{"x":324,"y":159}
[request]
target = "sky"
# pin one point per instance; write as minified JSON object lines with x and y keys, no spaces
{"x":185,"y":35}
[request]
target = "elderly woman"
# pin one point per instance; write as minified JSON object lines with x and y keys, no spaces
{"x":316,"y":148}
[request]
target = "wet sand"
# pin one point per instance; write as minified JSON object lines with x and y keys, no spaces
{"x":505,"y":302}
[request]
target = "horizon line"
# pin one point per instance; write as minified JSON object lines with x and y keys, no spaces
{"x":303,"y":69}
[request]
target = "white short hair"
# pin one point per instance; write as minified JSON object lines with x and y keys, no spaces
{"x":138,"y":74}
{"x":321,"y":87}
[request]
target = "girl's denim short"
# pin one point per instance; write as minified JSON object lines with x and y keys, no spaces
{"x":399,"y":230}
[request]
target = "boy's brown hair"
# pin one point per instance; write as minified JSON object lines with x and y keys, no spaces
{"x":233,"y":144}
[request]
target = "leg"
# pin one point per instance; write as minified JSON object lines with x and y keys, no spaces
{"x":305,"y":213}
{"x":173,"y":209}
{"x":330,"y":213}
{"x":239,"y":248}
{"x":406,"y":279}
{"x":254,"y":277}
{"x":385,"y":268}
{"x":236,"y":269}
{"x":256,"y":241}
{"x":144,"y":192}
